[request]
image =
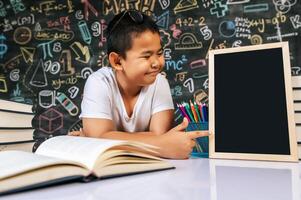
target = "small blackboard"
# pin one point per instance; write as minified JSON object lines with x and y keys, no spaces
{"x":250,"y":103}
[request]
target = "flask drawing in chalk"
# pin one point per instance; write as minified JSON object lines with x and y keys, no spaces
{"x":67,"y":103}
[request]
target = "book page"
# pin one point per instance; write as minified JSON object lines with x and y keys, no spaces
{"x":15,"y":162}
{"x":79,"y":149}
{"x":15,"y":106}
{"x":20,"y":120}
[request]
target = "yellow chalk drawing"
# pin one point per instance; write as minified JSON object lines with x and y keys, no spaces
{"x":28,"y":54}
{"x":22,"y":35}
{"x":185,"y":5}
{"x":3,"y":86}
{"x":13,"y":62}
{"x":188,"y":41}
{"x":65,"y":60}
{"x":82,"y":52}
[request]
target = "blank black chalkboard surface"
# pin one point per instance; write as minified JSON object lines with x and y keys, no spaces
{"x":251,"y":108}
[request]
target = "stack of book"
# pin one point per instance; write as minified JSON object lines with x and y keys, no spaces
{"x":296,"y":83}
{"x":16,"y":132}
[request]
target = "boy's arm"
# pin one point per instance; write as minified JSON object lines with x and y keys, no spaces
{"x":175,"y":143}
{"x":161,"y":122}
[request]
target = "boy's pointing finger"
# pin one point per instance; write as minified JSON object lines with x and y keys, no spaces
{"x":197,"y":134}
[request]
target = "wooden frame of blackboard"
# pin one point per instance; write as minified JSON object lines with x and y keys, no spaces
{"x":292,"y":154}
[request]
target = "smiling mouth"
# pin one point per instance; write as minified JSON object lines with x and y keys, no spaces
{"x":153,"y":73}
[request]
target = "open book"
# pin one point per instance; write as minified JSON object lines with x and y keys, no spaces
{"x":66,"y":158}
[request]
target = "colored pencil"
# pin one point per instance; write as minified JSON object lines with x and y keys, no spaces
{"x":207,"y":114}
{"x":193,"y":112}
{"x":197,"y":111}
{"x":183,"y":112}
{"x":186,"y":106}
{"x":201,"y":112}
{"x":204,"y":111}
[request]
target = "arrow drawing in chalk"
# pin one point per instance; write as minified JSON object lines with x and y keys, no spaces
{"x":28,"y":53}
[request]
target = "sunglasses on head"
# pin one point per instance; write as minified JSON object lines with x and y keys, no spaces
{"x":135,"y":16}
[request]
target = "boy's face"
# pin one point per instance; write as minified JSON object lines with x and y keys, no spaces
{"x":144,"y":60}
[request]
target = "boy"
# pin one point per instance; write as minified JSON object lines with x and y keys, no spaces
{"x":131,"y":100}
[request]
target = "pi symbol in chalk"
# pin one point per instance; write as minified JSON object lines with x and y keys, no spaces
{"x":3,"y":47}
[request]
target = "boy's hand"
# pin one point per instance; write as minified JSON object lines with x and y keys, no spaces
{"x":178,"y":144}
{"x":77,"y":133}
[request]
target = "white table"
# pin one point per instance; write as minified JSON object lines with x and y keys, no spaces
{"x":199,"y":179}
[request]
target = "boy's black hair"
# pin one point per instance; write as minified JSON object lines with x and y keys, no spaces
{"x":120,"y":36}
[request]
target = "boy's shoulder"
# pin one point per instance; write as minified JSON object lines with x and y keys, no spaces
{"x":161,"y":78}
{"x":104,"y":73}
{"x":103,"y":77}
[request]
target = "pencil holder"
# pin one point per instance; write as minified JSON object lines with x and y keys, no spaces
{"x":202,"y":143}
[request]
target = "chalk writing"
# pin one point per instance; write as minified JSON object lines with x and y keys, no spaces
{"x":48,"y":49}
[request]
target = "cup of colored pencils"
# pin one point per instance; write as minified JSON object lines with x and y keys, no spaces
{"x":197,"y":115}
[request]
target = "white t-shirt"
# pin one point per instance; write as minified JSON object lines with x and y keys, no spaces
{"x":102,"y":99}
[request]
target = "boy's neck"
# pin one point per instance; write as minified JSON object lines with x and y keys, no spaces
{"x":126,"y":88}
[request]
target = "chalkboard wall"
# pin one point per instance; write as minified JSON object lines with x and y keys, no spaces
{"x":49,"y":48}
